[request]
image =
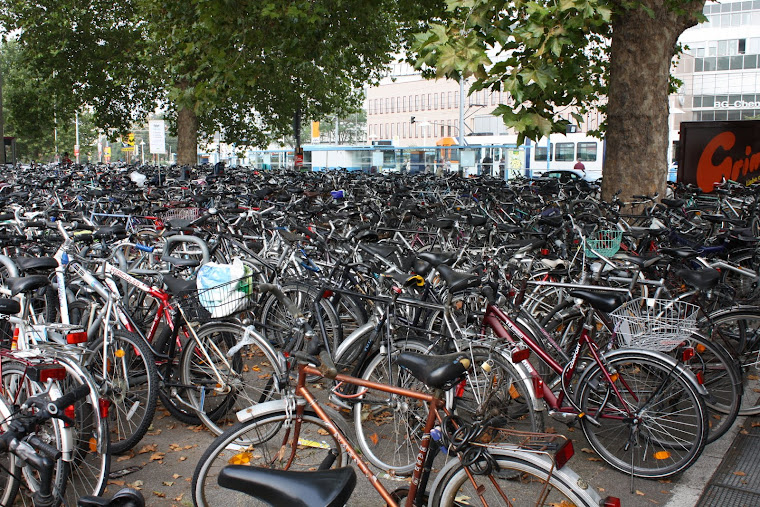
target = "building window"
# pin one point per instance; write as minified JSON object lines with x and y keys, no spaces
{"x":435,"y":101}
{"x":564,"y":152}
{"x":540,"y":153}
{"x":404,"y":104}
{"x":416,"y":105}
{"x":587,"y":152}
{"x":422,"y":102}
{"x":456,"y":99}
{"x":430,"y":102}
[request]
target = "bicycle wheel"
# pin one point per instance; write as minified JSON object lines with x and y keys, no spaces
{"x":218,"y":384}
{"x":278,"y":324}
{"x":127,"y":374}
{"x":170,"y":391}
{"x":657,"y":428}
{"x":389,"y":427}
{"x":493,"y":386}
{"x":17,"y":387}
{"x":722,"y":379}
{"x":10,"y":470}
{"x":90,"y":462}
{"x":264,"y":442}
{"x":523,"y":481}
{"x":739,"y":331}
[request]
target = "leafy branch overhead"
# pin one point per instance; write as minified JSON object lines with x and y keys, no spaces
{"x":549,"y":56}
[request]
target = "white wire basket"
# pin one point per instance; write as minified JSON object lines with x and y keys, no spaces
{"x":181,"y":214}
{"x":654,"y":324}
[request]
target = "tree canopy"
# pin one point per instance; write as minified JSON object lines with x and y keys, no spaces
{"x":243,"y":68}
{"x":560,"y":57}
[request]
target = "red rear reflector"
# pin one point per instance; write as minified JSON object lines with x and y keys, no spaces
{"x":687,"y":354}
{"x":327,"y":293}
{"x":544,"y":251}
{"x":519,"y":355}
{"x":103,"y":405}
{"x":563,"y":455}
{"x":71,"y":413}
{"x":460,"y":388}
{"x":78,"y":337}
{"x":611,"y":501}
{"x":700,"y":378}
{"x":54,"y":373}
{"x":538,"y":387}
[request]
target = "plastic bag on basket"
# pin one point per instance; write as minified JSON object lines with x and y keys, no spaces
{"x":216,"y":290}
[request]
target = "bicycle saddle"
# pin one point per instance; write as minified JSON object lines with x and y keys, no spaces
{"x":9,"y":306}
{"x":437,"y":372}
{"x":604,"y":301}
{"x":125,"y":497}
{"x":26,"y":283}
{"x":176,"y":286}
{"x":323,"y":488}
{"x":110,"y":232}
{"x":704,"y":279}
{"x":32,"y":263}
{"x":509,"y":228}
{"x":457,"y":280}
{"x":437,"y":258}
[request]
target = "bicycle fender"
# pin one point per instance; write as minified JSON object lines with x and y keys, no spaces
{"x":261,"y":409}
{"x":356,"y":335}
{"x":66,"y":434}
{"x":664,"y":358}
{"x":538,"y":460}
{"x":526,"y":379}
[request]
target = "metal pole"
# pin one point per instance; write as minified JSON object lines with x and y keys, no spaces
{"x":76,"y":134}
{"x":2,"y":124}
{"x":461,"y":112}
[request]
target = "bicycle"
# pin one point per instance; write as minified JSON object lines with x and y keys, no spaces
{"x":298,"y":433}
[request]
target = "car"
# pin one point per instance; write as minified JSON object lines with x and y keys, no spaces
{"x":565,"y":175}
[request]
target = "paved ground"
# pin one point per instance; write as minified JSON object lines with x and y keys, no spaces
{"x":162,"y":466}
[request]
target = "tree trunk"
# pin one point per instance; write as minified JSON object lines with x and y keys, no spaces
{"x":187,"y":136}
{"x":637,"y":102}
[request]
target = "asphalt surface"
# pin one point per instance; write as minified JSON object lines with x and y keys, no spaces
{"x":162,"y":465}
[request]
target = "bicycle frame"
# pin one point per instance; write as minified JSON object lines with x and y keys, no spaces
{"x":496,"y":320}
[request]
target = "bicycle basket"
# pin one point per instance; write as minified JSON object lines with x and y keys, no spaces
{"x":606,"y":243}
{"x":181,"y":214}
{"x":654,"y":324}
{"x":218,"y":301}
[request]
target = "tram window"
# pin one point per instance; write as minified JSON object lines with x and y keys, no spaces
{"x":564,"y":152}
{"x":587,"y":152}
{"x":541,"y":152}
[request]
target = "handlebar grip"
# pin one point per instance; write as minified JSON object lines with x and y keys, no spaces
{"x":145,"y":248}
{"x":72,"y":397}
{"x":48,"y":450}
{"x":489,"y":294}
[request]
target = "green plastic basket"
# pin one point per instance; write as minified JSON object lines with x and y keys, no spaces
{"x":605,"y":243}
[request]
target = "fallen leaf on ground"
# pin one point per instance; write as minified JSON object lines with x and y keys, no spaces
{"x":740,"y":473}
{"x":182,"y":458}
{"x":125,"y":457}
{"x":148,"y":448}
{"x":640,"y":493}
{"x":136,"y":484}
{"x":116,"y":482}
{"x":168,"y":483}
{"x":176,"y":476}
{"x":156,"y":456}
{"x":159,"y":494}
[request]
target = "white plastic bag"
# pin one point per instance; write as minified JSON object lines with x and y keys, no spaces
{"x":216,"y":292}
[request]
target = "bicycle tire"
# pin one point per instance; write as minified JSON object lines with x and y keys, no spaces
{"x":170,"y":394}
{"x":722,"y":379}
{"x":131,"y":386}
{"x":266,"y":438}
{"x":739,"y":331}
{"x":278,"y":324}
{"x":384,"y":440}
{"x":673,"y":425}
{"x":526,"y":482}
{"x":91,"y":458}
{"x":10,"y":468}
{"x":250,"y":375}
{"x":17,"y":386}
{"x":494,"y":386}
